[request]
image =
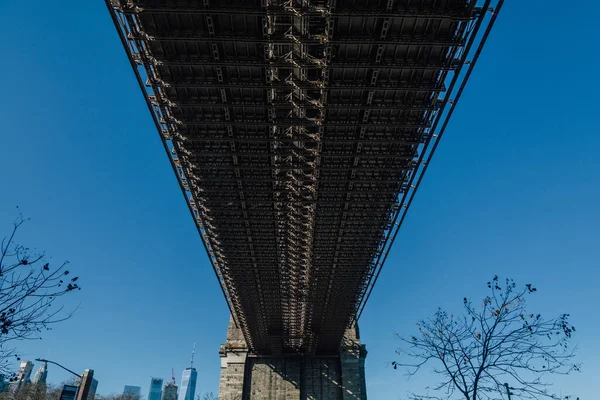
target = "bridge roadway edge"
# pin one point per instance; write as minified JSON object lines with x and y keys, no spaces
{"x":247,"y":377}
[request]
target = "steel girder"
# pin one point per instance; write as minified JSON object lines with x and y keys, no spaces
{"x":299,"y":131}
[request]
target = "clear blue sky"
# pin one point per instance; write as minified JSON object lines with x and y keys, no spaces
{"x":513,"y":190}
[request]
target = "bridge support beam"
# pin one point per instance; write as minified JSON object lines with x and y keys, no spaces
{"x":247,"y":377}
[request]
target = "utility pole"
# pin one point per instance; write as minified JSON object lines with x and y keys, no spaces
{"x":507,"y":390}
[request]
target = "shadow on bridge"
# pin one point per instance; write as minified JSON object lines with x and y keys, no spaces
{"x":305,"y":378}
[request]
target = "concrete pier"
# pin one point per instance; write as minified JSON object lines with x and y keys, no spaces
{"x":292,"y":377}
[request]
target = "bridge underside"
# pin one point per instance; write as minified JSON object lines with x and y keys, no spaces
{"x":299,"y":131}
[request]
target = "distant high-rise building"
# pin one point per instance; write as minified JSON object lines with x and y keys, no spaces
{"x":169,"y":391}
{"x":155,"y":389}
{"x":69,"y":392}
{"x":39,"y":382}
{"x":88,"y":386}
{"x":41,"y":375}
{"x":188,"y":381}
{"x":23,"y":376}
{"x":93,"y":387}
{"x":188,"y":384}
{"x":132,"y":392}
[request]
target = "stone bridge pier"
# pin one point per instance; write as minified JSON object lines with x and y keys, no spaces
{"x":292,"y":377}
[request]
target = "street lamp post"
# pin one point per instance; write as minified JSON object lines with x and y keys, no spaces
{"x":57,"y":364}
{"x":508,"y":393}
{"x":86,"y":380}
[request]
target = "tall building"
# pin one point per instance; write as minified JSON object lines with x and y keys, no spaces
{"x":41,"y":375}
{"x":188,"y":381}
{"x":39,"y":381}
{"x":155,"y":389}
{"x":169,"y":391}
{"x":188,"y":384}
{"x":23,"y":376}
{"x":69,"y":392}
{"x":86,"y":385}
{"x":132,"y":392}
{"x":93,"y":387}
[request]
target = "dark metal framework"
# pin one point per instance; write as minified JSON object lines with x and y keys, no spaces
{"x":299,"y":131}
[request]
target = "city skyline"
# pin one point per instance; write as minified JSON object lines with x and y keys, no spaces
{"x":157,"y":391}
{"x":24,"y":373}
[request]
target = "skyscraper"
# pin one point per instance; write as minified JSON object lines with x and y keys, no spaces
{"x":39,"y":382}
{"x":188,"y":384}
{"x":188,"y":381}
{"x":41,"y":374}
{"x":23,"y":376}
{"x":155,"y":389}
{"x":88,"y":386}
{"x":132,"y":392}
{"x":169,"y":391}
{"x":93,"y":387}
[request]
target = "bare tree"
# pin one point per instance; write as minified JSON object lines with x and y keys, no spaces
{"x":33,"y":391}
{"x":212,"y":396}
{"x":131,"y":396}
{"x":495,"y":348}
{"x":119,"y":396}
{"x":112,"y":396}
{"x":53,"y":391}
{"x":29,"y":288}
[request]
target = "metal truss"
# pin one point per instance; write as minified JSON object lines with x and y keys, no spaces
{"x":299,"y":131}
{"x":282,"y":10}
